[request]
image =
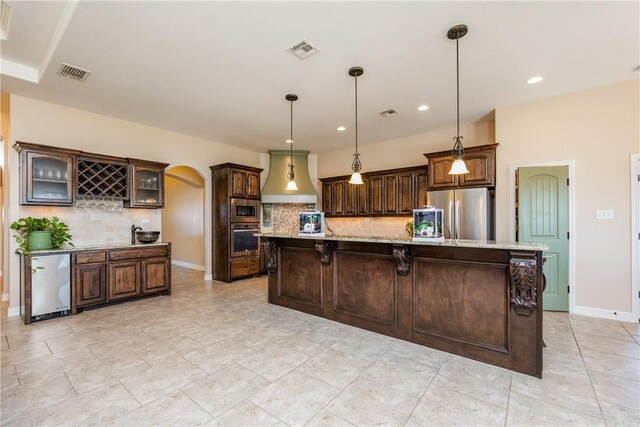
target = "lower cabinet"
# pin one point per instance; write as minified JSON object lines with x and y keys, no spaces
{"x":245,"y":267}
{"x":91,"y":284}
{"x":124,"y":279}
{"x":155,"y":275}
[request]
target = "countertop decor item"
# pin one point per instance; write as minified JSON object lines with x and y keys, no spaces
{"x":409,"y":228}
{"x":40,"y":233}
{"x":356,"y":165}
{"x":458,"y":167}
{"x":147,"y":236}
{"x":291,"y":185}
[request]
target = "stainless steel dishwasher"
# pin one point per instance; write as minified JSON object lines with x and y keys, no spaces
{"x":50,"y":286}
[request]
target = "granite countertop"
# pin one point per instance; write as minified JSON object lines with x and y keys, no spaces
{"x":96,"y":247}
{"x":482,"y":244}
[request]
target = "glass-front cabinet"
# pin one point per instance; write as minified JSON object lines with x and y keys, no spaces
{"x":47,"y":176}
{"x":147,"y":184}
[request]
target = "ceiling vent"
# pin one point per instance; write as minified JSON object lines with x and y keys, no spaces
{"x":388,"y":113}
{"x":5,"y":19}
{"x":303,"y":49}
{"x":71,"y":72}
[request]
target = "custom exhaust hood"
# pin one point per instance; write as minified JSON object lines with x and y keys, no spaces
{"x":275,"y":191}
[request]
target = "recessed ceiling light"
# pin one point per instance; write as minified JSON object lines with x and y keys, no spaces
{"x":423,"y":108}
{"x":289,"y":141}
{"x":342,"y":128}
{"x":534,"y":80}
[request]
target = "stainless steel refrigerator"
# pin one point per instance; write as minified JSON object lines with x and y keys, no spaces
{"x":468,"y":213}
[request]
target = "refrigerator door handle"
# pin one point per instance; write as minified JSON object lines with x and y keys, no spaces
{"x":451,"y":230}
{"x":457,"y":219}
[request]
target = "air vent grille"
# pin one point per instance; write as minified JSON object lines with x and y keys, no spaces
{"x":5,"y":19}
{"x":303,"y":49}
{"x":71,"y":72}
{"x":388,"y":113}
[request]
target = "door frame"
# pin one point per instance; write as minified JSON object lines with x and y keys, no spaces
{"x":571,"y":164}
{"x":635,"y":231}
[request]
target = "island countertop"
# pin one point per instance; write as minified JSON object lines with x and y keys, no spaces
{"x":481,"y":244}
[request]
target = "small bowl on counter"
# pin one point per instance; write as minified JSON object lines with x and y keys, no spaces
{"x":147,"y":236}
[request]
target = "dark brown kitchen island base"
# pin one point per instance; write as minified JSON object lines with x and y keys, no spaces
{"x":481,"y":301}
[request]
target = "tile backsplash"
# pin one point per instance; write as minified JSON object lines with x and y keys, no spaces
{"x":285,"y":217}
{"x":392,"y":227}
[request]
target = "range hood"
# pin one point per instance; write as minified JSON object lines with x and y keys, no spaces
{"x":274,"y":191}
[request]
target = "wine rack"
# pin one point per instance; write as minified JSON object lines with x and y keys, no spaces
{"x":102,"y":179}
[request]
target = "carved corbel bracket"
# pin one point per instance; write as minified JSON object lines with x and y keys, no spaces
{"x":326,"y":251}
{"x":523,"y":272}
{"x":402,"y":255}
{"x":270,"y":248}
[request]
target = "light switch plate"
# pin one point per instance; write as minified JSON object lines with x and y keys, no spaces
{"x":604,"y":214}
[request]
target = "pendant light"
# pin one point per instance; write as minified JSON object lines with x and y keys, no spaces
{"x":291,"y":185}
{"x":458,"y":167}
{"x":356,"y":165}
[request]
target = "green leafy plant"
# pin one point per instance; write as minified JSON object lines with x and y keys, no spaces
{"x":409,"y":228}
{"x":25,"y":226}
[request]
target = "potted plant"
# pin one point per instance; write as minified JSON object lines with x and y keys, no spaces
{"x":40,"y":233}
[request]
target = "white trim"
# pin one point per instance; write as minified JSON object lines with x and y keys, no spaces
{"x":208,"y":277}
{"x":19,"y":71}
{"x":571,"y":164}
{"x":635,"y":236}
{"x":624,"y":316}
{"x":13,"y":312}
{"x":5,"y":297}
{"x":187,"y":265}
{"x":63,"y":23}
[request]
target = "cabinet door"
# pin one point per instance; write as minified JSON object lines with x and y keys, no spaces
{"x":327,"y":198}
{"x":406,"y":195}
{"x":420,"y":192}
{"x":238,"y":183}
{"x":90,"y":284}
{"x":438,"y":171}
{"x":376,"y":195}
{"x":351,"y":200}
{"x":339,"y":197}
{"x":147,"y":189}
{"x":481,"y":167}
{"x":155,"y":275}
{"x":253,"y":185}
{"x":124,"y":279}
{"x":48,"y":179}
{"x":362,"y":198}
{"x":390,"y":194}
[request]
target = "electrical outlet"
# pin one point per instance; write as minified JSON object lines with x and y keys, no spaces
{"x":367,"y":220}
{"x":604,"y":214}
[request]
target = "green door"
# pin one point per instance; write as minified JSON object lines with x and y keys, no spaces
{"x":543,"y":212}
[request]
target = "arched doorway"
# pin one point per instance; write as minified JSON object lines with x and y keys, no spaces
{"x":183,"y":216}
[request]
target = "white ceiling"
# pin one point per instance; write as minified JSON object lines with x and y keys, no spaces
{"x":220,"y":70}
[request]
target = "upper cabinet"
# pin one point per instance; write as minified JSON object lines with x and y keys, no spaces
{"x":480,"y":160}
{"x":147,"y":184}
{"x":245,"y":184}
{"x":47,"y":175}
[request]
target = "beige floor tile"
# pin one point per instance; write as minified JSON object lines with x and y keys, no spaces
{"x":601,"y":327}
{"x":260,"y":337}
{"x":172,"y":410}
{"x":307,"y":342}
{"x":96,"y":407}
{"x":475,"y":379}
{"x":168,"y":375}
{"x":401,"y":374}
{"x":124,"y":343}
{"x":632,"y":328}
{"x":9,"y":378}
{"x":223,"y":390}
{"x":215,"y":332}
{"x":216,"y":356}
{"x":4,"y":345}
{"x":561,"y":363}
{"x":171,"y":329}
{"x":21,"y":354}
{"x":366,"y":348}
{"x":334,"y":367}
{"x":31,"y":335}
{"x":327,"y":419}
{"x":110,"y":369}
{"x":611,"y":364}
{"x":616,"y":390}
{"x":295,"y":398}
{"x":440,"y":406}
{"x":36,"y":369}
{"x":563,"y":345}
{"x":171,"y":347}
{"x":366,"y":402}
{"x":79,"y":339}
{"x":525,"y":411}
{"x":569,"y":393}
{"x":627,"y":348}
{"x":616,"y":415}
{"x":419,"y":353}
{"x":273,"y":362}
{"x":246,"y":414}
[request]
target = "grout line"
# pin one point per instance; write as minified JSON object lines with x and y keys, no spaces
{"x":132,"y":395}
{"x":506,"y":413}
{"x":425,"y":391}
{"x":71,"y":384}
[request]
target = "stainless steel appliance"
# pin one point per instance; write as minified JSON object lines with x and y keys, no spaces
{"x":245,"y":210}
{"x":468,"y":213}
{"x":50,"y":286}
{"x":244,"y":242}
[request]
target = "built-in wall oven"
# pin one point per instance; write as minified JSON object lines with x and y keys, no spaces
{"x":245,"y":210}
{"x":244,"y":242}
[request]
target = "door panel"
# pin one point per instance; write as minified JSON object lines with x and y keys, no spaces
{"x":339,"y":197}
{"x":362,"y":194}
{"x":376,"y":188}
{"x":124,"y":279}
{"x":390,"y":194}
{"x":544,"y":217}
{"x":351,"y":202}
{"x":472,"y":215}
{"x":238,"y":183}
{"x":90,"y":284}
{"x":253,"y":185}
{"x":405,"y":193}
{"x":327,"y":198}
{"x":155,"y":275}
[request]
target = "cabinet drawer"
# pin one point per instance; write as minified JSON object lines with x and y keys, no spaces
{"x":88,"y":257}
{"x":153,"y":251}
{"x":245,"y":266}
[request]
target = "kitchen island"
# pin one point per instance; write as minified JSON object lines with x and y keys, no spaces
{"x":476,"y":299}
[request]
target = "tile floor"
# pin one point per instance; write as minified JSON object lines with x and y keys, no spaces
{"x":218,"y":354}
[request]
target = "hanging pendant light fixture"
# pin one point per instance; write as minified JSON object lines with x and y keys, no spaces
{"x":458,"y":167}
{"x":291,"y":185}
{"x":356,"y":165}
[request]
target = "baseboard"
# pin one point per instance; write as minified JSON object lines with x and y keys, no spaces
{"x":624,"y":316}
{"x":13,"y":312}
{"x":208,"y":277}
{"x":5,"y":297}
{"x":187,"y":265}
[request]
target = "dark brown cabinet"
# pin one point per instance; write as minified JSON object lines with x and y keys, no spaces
{"x":362,"y":197}
{"x":376,"y":195}
{"x":420,"y":189}
{"x":147,"y":184}
{"x":124,"y":279}
{"x":245,"y":184}
{"x":480,"y":160}
{"x":405,"y":193}
{"x":155,"y":274}
{"x":91,"y":284}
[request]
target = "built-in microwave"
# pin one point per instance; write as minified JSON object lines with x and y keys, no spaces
{"x":245,"y":210}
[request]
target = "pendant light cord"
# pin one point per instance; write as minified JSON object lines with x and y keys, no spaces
{"x":457,"y":87}
{"x":356,"y":115}
{"x":291,"y":148}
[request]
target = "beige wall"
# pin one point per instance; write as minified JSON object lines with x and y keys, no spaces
{"x":5,"y":132}
{"x":598,"y":129}
{"x":183,"y":215}
{"x":51,"y":124}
